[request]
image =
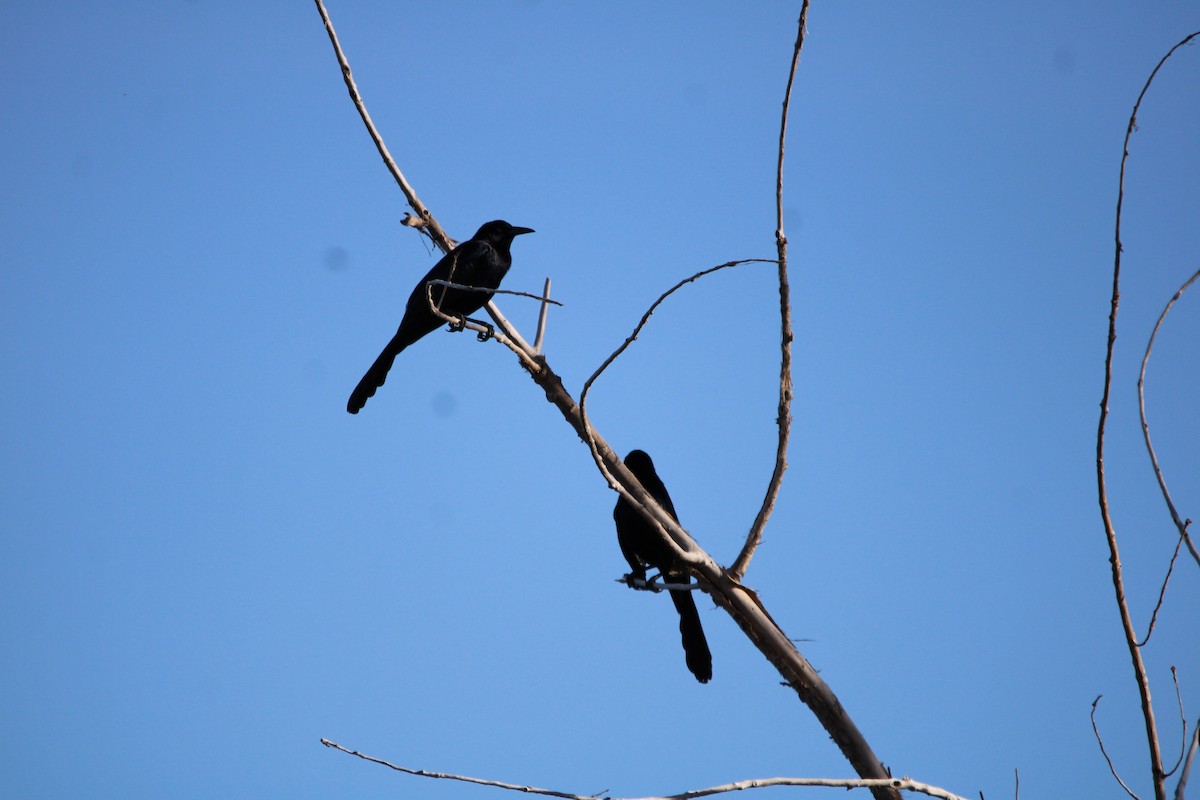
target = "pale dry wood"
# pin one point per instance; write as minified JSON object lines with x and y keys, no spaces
{"x":740,"y":602}
{"x":897,"y":784}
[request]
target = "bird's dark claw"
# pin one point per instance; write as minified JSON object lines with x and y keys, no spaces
{"x":458,"y":324}
{"x":487,"y":332}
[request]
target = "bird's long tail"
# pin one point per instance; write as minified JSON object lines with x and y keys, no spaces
{"x":695,"y":646}
{"x":376,"y":375}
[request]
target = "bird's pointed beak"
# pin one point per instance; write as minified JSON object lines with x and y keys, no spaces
{"x":517,"y":230}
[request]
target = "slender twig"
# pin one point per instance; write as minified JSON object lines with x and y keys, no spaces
{"x":784,"y":415}
{"x":1162,"y":483}
{"x":1135,"y":653}
{"x":466,"y":288}
{"x":1017,"y":778}
{"x":1100,"y":741}
{"x":1182,"y":722}
{"x":682,"y":548}
{"x":429,"y":225}
{"x":643,"y":585}
{"x":1162,"y":592}
{"x":519,"y":347}
{"x":898,"y":784}
{"x":540,"y":336}
{"x":1187,"y":765}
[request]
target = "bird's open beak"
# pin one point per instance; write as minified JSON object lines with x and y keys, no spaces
{"x":517,"y":230}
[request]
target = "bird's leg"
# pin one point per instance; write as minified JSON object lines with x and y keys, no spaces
{"x":636,"y":579}
{"x":487,"y":332}
{"x":460,"y":323}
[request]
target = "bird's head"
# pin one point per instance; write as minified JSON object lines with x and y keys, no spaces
{"x":499,"y":232}
{"x":639,"y":463}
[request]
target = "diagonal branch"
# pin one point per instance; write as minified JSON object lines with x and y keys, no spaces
{"x":1162,"y":483}
{"x":429,"y":225}
{"x":784,"y":417}
{"x":1135,"y":653}
{"x":740,"y":602}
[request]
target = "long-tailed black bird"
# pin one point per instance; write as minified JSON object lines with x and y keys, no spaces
{"x":643,"y":548}
{"x":480,"y":261}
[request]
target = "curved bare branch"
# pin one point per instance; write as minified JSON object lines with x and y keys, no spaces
{"x":1162,"y":482}
{"x":1135,"y":654}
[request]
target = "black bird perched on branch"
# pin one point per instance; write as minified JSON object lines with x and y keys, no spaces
{"x":643,"y":547}
{"x":481,"y":261}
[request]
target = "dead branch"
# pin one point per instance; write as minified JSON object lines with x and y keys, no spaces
{"x":1162,"y":592}
{"x":1162,"y":483}
{"x":784,"y":417}
{"x":429,"y":226}
{"x":1104,"y":752}
{"x":1187,"y":765}
{"x":740,"y":602}
{"x":1135,"y":653}
{"x":898,"y":784}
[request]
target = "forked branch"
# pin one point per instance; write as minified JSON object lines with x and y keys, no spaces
{"x":739,"y":601}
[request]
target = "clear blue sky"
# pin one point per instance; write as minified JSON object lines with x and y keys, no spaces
{"x":206,"y":565}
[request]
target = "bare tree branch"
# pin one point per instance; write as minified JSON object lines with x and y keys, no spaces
{"x":464,"y":287}
{"x":1162,"y":483}
{"x":1135,"y":653}
{"x":1100,"y":741}
{"x":541,"y":325}
{"x":1162,"y":592}
{"x":429,"y":226}
{"x":1187,"y":765}
{"x":740,"y":602}
{"x":784,"y":416}
{"x":1182,"y":721}
{"x":897,"y":784}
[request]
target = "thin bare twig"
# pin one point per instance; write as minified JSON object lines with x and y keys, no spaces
{"x":1162,"y":592}
{"x":466,"y":288}
{"x":1182,"y":723}
{"x":1187,"y":765}
{"x":519,"y":347}
{"x":429,"y":225}
{"x":1162,"y":483}
{"x":540,"y":336}
{"x":898,"y":784}
{"x":1100,"y":741}
{"x":784,"y":414}
{"x":683,"y":547}
{"x":1135,"y":653}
